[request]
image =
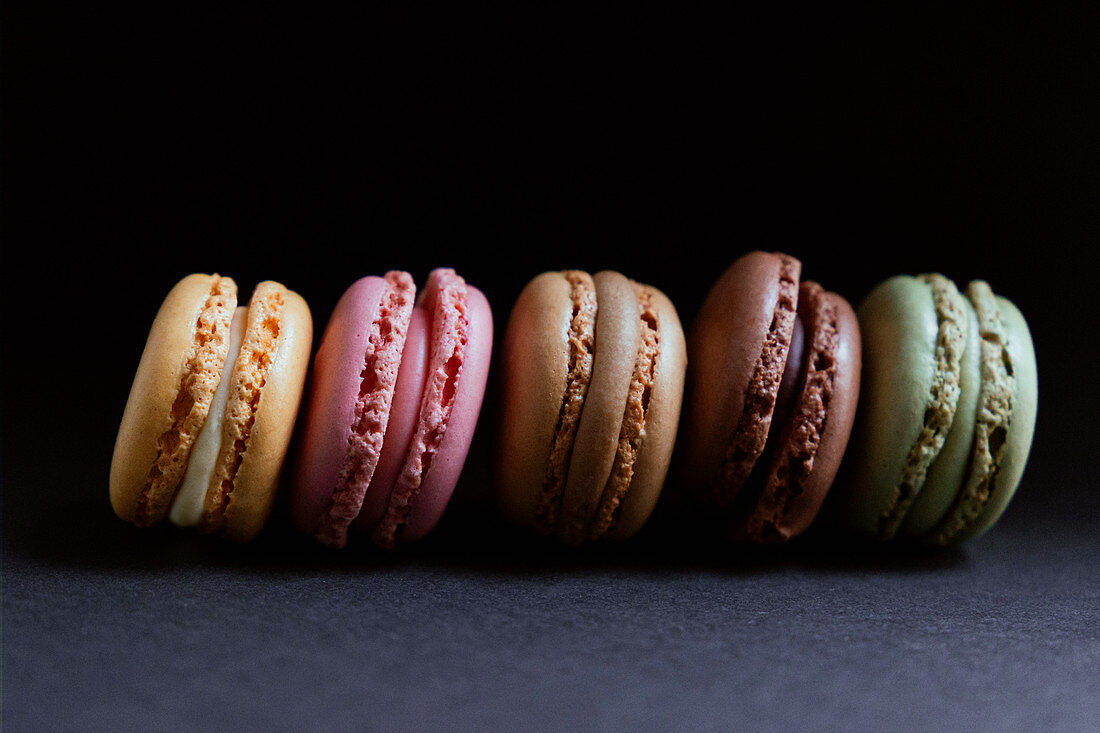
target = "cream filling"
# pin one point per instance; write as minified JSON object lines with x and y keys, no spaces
{"x":187,"y":507}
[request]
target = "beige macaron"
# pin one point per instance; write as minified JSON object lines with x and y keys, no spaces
{"x":211,"y":411}
{"x":593,"y":376}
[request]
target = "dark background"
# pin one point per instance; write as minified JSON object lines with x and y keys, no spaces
{"x":140,"y":146}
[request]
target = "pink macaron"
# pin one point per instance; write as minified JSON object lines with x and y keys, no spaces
{"x":394,"y":399}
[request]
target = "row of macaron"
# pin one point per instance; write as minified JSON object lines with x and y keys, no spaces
{"x":928,"y":393}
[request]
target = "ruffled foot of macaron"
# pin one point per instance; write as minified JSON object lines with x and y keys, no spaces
{"x":211,"y":412}
{"x":593,"y":374}
{"x":773,"y":384}
{"x":395,"y":395}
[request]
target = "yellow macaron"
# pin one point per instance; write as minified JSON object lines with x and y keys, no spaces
{"x":211,"y":411}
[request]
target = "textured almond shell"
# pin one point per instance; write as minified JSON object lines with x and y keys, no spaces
{"x":257,"y":479}
{"x":147,"y":413}
{"x":661,"y":422}
{"x":535,"y":358}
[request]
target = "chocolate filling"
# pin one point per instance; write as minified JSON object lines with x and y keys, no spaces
{"x":802,"y":433}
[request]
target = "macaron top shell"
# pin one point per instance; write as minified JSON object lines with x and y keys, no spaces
{"x":739,"y":343}
{"x":176,"y":379}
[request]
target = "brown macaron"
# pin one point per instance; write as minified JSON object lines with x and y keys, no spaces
{"x":593,"y":374}
{"x":212,"y":407}
{"x":772,"y":393}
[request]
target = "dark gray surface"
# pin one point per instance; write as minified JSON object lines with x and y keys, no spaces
{"x":483,"y":628}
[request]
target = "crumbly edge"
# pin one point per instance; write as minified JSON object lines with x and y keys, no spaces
{"x":201,"y":375}
{"x":939,"y":413}
{"x":632,"y":434}
{"x":258,"y":349}
{"x":581,"y":343}
{"x":802,"y":436}
{"x":451,"y":316}
{"x":378,"y":378}
{"x":995,"y":404}
{"x":747,"y":443}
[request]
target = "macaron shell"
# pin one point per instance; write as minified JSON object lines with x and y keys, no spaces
{"x":148,"y":412}
{"x":404,"y":413}
{"x":1021,"y":428}
{"x":947,"y":472}
{"x":446,"y":296}
{"x":661,"y":422}
{"x":257,"y":477}
{"x":899,"y":327}
{"x":816,"y":438}
{"x":333,"y":391}
{"x":450,"y":457}
{"x":726,"y":343}
{"x":534,"y":373}
{"x":618,"y":332}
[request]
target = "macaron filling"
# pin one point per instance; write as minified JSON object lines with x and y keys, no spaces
{"x":995,"y":406}
{"x":633,"y":428}
{"x":581,"y":344}
{"x":249,"y":375}
{"x":446,"y":296}
{"x":199,"y":381}
{"x":381,"y":364}
{"x":789,"y":388}
{"x":750,"y":436}
{"x":187,"y":507}
{"x":939,"y":414}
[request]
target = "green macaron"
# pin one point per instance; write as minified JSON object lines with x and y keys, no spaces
{"x":947,"y":411}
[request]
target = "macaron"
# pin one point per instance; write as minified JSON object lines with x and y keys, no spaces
{"x":948,"y":411}
{"x":211,"y":411}
{"x":592,"y":381}
{"x":395,"y":395}
{"x":772,"y":392}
